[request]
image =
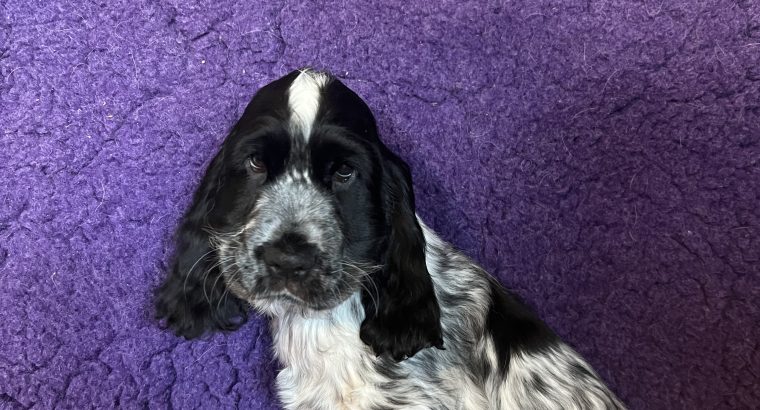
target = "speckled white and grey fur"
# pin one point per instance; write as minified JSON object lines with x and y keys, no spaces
{"x":293,"y":204}
{"x":289,"y":205}
{"x":326,"y":365}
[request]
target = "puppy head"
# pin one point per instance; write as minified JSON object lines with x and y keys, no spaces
{"x":305,"y":206}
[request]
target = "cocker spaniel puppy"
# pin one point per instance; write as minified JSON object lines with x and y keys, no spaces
{"x":305,"y":215}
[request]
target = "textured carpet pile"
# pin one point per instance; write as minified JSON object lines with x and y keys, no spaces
{"x":602,"y":158}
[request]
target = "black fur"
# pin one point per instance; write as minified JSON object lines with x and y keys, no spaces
{"x":513,"y":325}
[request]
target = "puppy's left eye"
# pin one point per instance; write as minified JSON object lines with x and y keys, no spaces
{"x":256,"y":164}
{"x":343,"y":174}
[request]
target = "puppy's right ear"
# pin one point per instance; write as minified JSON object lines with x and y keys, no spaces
{"x":405,"y":317}
{"x":194,"y":297}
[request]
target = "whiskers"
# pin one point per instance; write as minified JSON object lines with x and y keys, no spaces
{"x":362,"y":272}
{"x":225,"y":246}
{"x":232,"y":278}
{"x":220,"y":240}
{"x":190,"y":271}
{"x":228,"y":263}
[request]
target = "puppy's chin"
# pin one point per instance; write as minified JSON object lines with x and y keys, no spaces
{"x":288,"y":302}
{"x":280,"y":299}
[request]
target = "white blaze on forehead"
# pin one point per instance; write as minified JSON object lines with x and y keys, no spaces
{"x":303,"y":100}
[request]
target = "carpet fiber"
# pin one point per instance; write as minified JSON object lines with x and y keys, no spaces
{"x":601,"y":158}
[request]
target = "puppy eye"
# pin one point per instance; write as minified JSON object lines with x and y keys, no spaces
{"x":257,"y":164}
{"x":343,"y":173}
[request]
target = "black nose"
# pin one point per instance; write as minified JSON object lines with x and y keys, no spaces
{"x":290,"y":254}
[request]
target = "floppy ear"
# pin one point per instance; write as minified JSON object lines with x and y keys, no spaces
{"x":194,"y":297}
{"x":407,"y":317}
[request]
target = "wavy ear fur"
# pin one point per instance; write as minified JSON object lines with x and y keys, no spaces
{"x":193,"y":298}
{"x":407,"y":316}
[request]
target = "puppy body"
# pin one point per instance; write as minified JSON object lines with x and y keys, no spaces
{"x":306,"y":215}
{"x":327,"y":366}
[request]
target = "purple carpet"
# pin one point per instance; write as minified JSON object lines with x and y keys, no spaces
{"x":601,"y":158}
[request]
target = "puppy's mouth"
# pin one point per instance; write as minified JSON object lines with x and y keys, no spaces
{"x":291,"y":272}
{"x":293,"y":291}
{"x":319,"y":291}
{"x":289,"y":299}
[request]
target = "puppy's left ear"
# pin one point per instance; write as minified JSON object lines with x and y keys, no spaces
{"x":405,"y":318}
{"x":194,"y":298}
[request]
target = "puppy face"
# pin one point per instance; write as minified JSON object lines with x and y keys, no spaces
{"x":303,"y":176}
{"x":302,"y":207}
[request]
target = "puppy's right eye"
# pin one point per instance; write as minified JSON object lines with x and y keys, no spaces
{"x":257,"y":164}
{"x":343,"y":174}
